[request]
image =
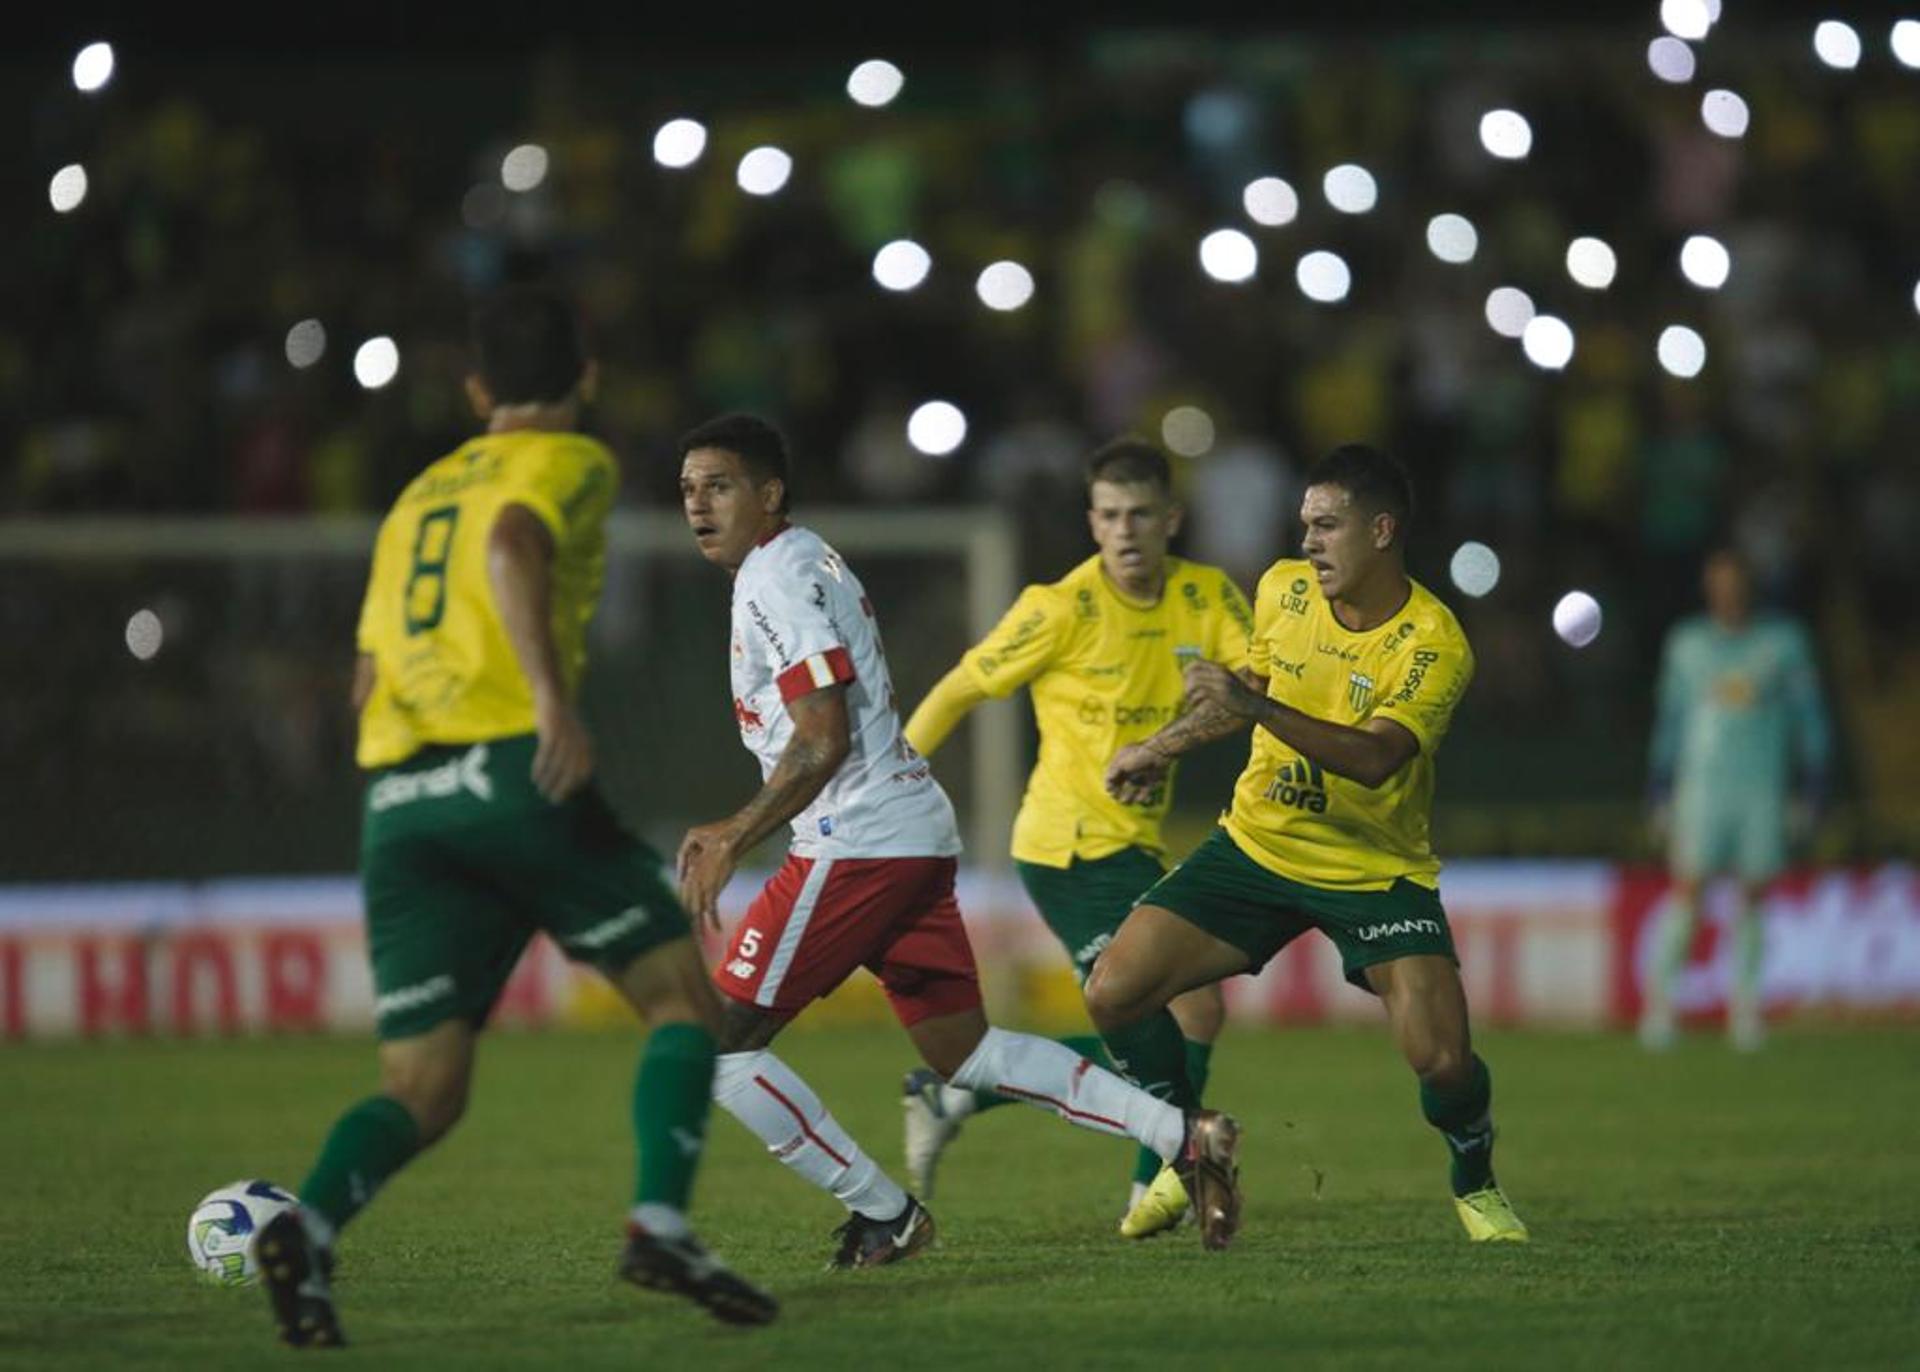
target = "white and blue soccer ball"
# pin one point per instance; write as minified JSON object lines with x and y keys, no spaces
{"x":220,"y":1235}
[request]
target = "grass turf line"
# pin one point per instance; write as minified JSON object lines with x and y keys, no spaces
{"x":1699,"y":1209}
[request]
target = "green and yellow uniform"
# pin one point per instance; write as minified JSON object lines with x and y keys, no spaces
{"x":1302,"y":848}
{"x":1104,"y":671}
{"x":461,"y":858}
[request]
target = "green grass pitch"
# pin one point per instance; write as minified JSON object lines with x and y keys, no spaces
{"x":1695,"y":1210}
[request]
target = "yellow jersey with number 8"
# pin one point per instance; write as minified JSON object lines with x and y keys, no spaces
{"x":444,"y":670}
{"x":1294,"y":817}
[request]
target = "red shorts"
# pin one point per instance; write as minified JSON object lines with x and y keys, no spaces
{"x":819,"y":918}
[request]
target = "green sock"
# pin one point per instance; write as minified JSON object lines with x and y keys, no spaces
{"x":1464,"y":1118}
{"x":672,"y":1093}
{"x":372,"y":1141}
{"x":1152,"y":1054}
{"x":1147,"y":1163}
{"x":1086,"y":1045}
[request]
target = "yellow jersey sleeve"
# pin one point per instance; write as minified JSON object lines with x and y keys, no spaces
{"x":1233,"y":629}
{"x":1022,"y":645}
{"x":1431,"y":683}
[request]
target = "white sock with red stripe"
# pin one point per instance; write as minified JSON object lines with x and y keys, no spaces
{"x":1053,"y":1076}
{"x":768,"y":1097}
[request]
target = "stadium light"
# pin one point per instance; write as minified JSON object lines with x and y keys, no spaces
{"x":1547,"y":342}
{"x":1270,"y":201}
{"x":679,"y":142}
{"x":901,"y":265}
{"x":1836,"y":44}
{"x":1323,"y":276}
{"x":1452,"y":238}
{"x":68,"y":188}
{"x":1705,"y":262}
{"x":93,"y":67}
{"x":1905,"y":41}
{"x":1681,"y":351}
{"x":1350,"y":188}
{"x":1509,"y":311}
{"x":875,"y":82}
{"x":524,"y":168}
{"x":1591,"y":263}
{"x":1229,"y":255}
{"x":1187,"y":430}
{"x":1576,"y":618}
{"x":376,"y":362}
{"x":144,"y":634}
{"x":1004,"y":286}
{"x":763,"y":171}
{"x":1688,"y":19}
{"x":1724,"y":113}
{"x":1475,"y":569}
{"x":1670,"y":60}
{"x":1916,"y":297}
{"x":936,"y":428}
{"x":1506,"y":134}
{"x":306,"y":343}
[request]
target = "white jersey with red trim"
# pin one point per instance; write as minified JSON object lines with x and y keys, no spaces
{"x":802,"y":621}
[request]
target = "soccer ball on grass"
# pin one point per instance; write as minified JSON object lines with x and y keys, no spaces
{"x":220,"y":1235}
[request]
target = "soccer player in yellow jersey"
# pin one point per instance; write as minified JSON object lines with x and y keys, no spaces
{"x":482,"y":825}
{"x":1355,"y":672}
{"x":1101,"y":650}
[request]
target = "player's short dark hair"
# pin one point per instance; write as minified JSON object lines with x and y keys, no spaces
{"x":1373,"y":478}
{"x":529,"y":344}
{"x":1129,"y":460}
{"x":761,"y":448}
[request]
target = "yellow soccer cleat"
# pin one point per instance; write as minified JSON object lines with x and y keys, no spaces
{"x":1160,"y":1207}
{"x":1489,"y":1217}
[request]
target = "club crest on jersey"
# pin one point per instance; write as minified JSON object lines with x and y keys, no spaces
{"x":747,"y":717}
{"x":1294,"y":599}
{"x":1195,"y":601}
{"x":1359,"y":691}
{"x":1084,"y":606}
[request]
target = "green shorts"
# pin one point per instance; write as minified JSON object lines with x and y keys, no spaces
{"x":1084,"y":903}
{"x":462,"y":860}
{"x":1235,"y":899}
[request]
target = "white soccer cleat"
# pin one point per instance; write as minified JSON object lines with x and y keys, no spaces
{"x":930,"y":1127}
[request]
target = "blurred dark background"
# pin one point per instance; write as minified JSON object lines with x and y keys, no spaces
{"x":346,"y":167}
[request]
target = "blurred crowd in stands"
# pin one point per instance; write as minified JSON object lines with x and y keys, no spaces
{"x":143,"y":362}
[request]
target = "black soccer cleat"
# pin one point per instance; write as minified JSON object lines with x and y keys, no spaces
{"x":298,"y":1275}
{"x":683,"y":1267}
{"x":874,"y":1243}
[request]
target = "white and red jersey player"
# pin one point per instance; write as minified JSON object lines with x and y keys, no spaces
{"x":868,"y":879}
{"x":801,"y":622}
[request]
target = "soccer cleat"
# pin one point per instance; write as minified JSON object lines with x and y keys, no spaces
{"x":1489,"y":1217}
{"x":298,"y":1273}
{"x":929,"y":1127}
{"x":874,"y":1243}
{"x":1161,"y":1207}
{"x":1209,"y":1171}
{"x":683,"y":1267}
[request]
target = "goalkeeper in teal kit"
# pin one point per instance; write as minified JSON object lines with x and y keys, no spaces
{"x":1740,"y":747}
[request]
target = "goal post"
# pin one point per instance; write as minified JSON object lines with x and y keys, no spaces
{"x":233,"y":587}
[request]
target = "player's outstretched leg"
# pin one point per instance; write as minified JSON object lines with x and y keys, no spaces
{"x":1202,"y":1145}
{"x":934,"y":1113}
